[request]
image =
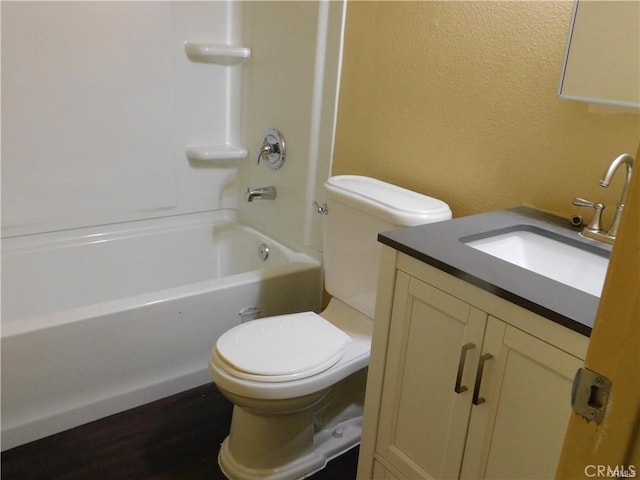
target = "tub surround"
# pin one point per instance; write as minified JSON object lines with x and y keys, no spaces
{"x":560,"y":303}
{"x":117,"y":151}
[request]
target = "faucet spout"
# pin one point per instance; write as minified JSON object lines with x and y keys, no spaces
{"x":263,"y":193}
{"x":627,"y":160}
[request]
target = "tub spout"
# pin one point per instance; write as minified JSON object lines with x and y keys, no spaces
{"x":264,"y":193}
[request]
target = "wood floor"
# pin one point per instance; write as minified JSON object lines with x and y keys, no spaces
{"x":173,"y":438}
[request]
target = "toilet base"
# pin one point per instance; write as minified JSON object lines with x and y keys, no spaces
{"x":292,"y":440}
{"x":328,"y":444}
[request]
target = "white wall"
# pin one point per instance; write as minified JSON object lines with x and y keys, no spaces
{"x":99,"y":101}
{"x":290,"y":84}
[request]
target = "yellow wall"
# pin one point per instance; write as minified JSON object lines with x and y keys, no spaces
{"x":458,"y":100}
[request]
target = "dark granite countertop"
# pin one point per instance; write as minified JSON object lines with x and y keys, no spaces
{"x":438,"y":244}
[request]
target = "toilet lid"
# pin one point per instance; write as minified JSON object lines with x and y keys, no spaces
{"x":285,"y":347}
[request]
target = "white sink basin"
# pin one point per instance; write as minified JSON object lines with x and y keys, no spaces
{"x":552,"y":258}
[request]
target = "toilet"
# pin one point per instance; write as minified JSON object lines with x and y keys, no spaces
{"x":297,"y":381}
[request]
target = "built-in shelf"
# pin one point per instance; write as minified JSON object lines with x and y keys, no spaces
{"x":212,"y":153}
{"x":218,"y":54}
{"x":226,"y":55}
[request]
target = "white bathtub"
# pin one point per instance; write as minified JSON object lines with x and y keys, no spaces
{"x":95,"y":321}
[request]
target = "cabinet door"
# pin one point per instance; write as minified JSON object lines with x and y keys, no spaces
{"x":519,"y":430}
{"x":434,"y":339}
{"x":381,"y":473}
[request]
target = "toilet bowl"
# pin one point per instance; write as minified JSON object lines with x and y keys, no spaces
{"x":305,"y":414}
{"x":297,"y":381}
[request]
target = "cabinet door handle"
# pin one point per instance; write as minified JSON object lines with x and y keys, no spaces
{"x":463,"y":356}
{"x":476,"y":391}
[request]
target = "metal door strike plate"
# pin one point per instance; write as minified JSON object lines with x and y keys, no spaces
{"x":589,"y":394}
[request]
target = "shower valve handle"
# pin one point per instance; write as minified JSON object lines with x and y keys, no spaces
{"x":266,"y":150}
{"x":272,"y":150}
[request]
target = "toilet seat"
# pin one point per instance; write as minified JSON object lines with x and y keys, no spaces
{"x":281,"y":348}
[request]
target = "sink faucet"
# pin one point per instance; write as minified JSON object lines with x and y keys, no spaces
{"x":264,"y":193}
{"x":594,"y":230}
{"x":627,"y":160}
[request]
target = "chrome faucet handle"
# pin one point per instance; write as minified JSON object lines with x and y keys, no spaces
{"x":581,"y":202}
{"x":595,"y":224}
{"x":265,"y":150}
{"x":321,"y":209}
{"x":272,"y":150}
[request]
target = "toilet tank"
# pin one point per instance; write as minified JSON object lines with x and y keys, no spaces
{"x":358,"y":209}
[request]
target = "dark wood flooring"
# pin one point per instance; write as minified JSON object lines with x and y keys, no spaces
{"x":173,"y":438}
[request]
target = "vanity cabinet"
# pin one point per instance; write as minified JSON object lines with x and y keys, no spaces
{"x":463,"y":384}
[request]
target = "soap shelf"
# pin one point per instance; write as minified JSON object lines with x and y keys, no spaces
{"x":215,"y":53}
{"x":226,"y":55}
{"x":212,"y":153}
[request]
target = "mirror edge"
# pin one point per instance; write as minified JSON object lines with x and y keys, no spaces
{"x":595,"y":100}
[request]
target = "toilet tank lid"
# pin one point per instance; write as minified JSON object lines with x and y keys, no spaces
{"x":389,"y":202}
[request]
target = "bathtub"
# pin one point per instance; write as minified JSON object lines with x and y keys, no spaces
{"x":99,"y":320}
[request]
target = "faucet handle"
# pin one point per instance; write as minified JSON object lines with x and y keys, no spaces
{"x":272,"y":150}
{"x":321,"y":209}
{"x":264,"y":152}
{"x":594,"y":225}
{"x":581,"y":202}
